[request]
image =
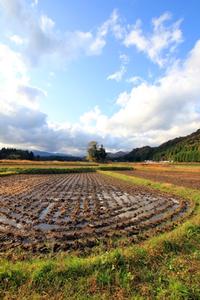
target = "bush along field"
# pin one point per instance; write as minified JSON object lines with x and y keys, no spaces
{"x":166,"y":266}
{"x":62,"y":170}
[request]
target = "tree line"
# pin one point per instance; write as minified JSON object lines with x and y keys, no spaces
{"x":12,"y":153}
{"x":95,"y":153}
{"x":182,"y":156}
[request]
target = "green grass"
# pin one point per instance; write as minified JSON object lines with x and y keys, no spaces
{"x":166,"y":266}
{"x":52,"y":170}
{"x":114,"y":168}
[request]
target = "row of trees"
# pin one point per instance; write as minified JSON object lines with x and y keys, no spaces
{"x":190,"y":156}
{"x":95,"y":153}
{"x":182,"y":156}
{"x":12,"y":153}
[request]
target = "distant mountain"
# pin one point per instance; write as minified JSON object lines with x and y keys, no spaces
{"x":115,"y":155}
{"x":44,"y":153}
{"x":55,"y":156}
{"x":179,"y":149}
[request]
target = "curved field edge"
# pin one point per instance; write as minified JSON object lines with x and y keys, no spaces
{"x":166,"y":266}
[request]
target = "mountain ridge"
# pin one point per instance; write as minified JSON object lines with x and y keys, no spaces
{"x":184,"y":148}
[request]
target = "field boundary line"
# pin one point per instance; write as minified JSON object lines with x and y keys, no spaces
{"x":192,"y":196}
{"x":185,"y":192}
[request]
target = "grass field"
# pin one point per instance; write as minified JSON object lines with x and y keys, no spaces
{"x":163,"y":265}
{"x":38,"y":167}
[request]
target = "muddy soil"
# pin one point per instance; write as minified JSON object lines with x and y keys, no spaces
{"x":187,"y":179}
{"x":78,"y":210}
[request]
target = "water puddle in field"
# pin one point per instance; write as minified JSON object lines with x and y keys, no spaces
{"x":118,"y":198}
{"x":175,"y":201}
{"x":56,"y":214}
{"x":147,"y":206}
{"x":82,"y":224}
{"x":16,"y":215}
{"x":4,"y":210}
{"x":45,"y":211}
{"x":2,"y":228}
{"x":10,"y":222}
{"x":81,"y":204}
{"x":46,"y":227}
{"x":67,"y":219}
{"x":181,"y":212}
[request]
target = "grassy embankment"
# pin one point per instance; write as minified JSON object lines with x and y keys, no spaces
{"x":163,"y":267}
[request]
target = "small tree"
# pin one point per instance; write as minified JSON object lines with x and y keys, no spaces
{"x":96,"y":153}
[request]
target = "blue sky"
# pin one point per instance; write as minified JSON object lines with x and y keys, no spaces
{"x":125,"y":73}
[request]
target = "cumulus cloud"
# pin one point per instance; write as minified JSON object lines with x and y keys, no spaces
{"x":43,"y":39}
{"x":169,"y":105}
{"x":16,"y":85}
{"x":148,"y":114}
{"x":153,"y":113}
{"x":23,"y":125}
{"x":154,"y":45}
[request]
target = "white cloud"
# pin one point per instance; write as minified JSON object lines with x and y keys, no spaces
{"x":93,"y":119}
{"x":158,"y":22}
{"x":46,"y":24}
{"x":124,"y":59}
{"x":161,"y":43}
{"x":153,"y":113}
{"x":23,"y":125}
{"x":148,"y":114}
{"x":15,"y":87}
{"x":118,"y":75}
{"x":44,"y":40}
{"x":123,"y":99}
{"x":113,"y":25}
{"x":30,"y":92}
{"x":135,"y":80}
{"x":170,"y":104}
{"x":18,"y":40}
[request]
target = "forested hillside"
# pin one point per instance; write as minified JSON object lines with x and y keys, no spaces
{"x":180,"y":149}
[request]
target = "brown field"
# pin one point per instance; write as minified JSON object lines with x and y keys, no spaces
{"x":189,"y":177}
{"x":76,"y":210}
{"x":44,"y":164}
{"x":166,"y":167}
